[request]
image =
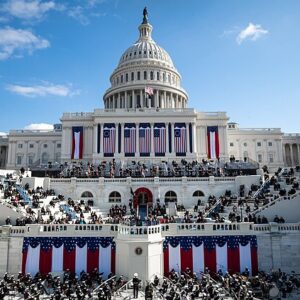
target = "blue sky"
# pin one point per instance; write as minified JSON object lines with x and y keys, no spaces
{"x":241,"y":57}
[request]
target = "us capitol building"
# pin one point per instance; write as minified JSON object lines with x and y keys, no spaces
{"x":146,"y":99}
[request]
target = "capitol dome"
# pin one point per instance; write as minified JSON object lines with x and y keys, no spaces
{"x":145,"y":76}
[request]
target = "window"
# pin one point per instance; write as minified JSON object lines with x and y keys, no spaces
{"x":271,"y":158}
{"x":126,"y":77}
{"x":57,"y":157}
{"x":151,"y":75}
{"x":231,"y":144}
{"x":270,"y":144}
{"x":19,"y":159}
{"x":132,"y":76}
{"x":259,"y":158}
{"x":31,"y":146}
{"x":20,"y":146}
{"x":198,"y":194}
{"x":169,"y":78}
{"x":258,"y":144}
{"x":145,"y":75}
{"x":45,"y":146}
{"x":157,"y":76}
{"x":245,"y":144}
{"x":58,"y":145}
{"x":114,"y":197}
{"x":45,"y":158}
{"x":121,"y":78}
{"x":139,"y":75}
{"x":170,"y":197}
{"x":87,"y":194}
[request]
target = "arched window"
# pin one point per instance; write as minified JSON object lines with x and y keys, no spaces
{"x":87,"y":194}
{"x":198,"y":194}
{"x":145,"y":75}
{"x":114,"y":197}
{"x":170,"y":196}
{"x":45,"y":158}
{"x":151,"y":75}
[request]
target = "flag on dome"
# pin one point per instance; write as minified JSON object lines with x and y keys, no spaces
{"x":109,"y":139}
{"x":77,"y":254}
{"x":145,"y":138}
{"x":129,"y":138}
{"x":228,"y":253}
{"x":159,"y":138}
{"x":77,"y":142}
{"x":213,"y":142}
{"x":149,"y":90}
{"x":180,"y":138}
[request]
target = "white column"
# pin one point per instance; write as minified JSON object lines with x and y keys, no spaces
{"x":165,"y":99}
{"x":156,"y":99}
{"x":122,"y":139}
{"x":172,"y":137}
{"x":167,"y":137}
{"x":141,"y":99}
{"x":126,"y":104}
{"x":117,"y":140}
{"x":101,"y":140}
{"x":152,"y":140}
{"x":176,"y":102}
{"x":133,"y":99}
{"x":194,"y":144}
{"x":187,"y":126}
{"x":95,"y":138}
{"x":137,"y":147}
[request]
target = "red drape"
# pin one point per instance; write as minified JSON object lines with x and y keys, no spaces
{"x":254,"y":261}
{"x":24,"y":258}
{"x":92,"y":260}
{"x":45,"y":261}
{"x":233,"y":260}
{"x":186,"y":259}
{"x":69,"y":260}
{"x":166,"y":262}
{"x":210,"y":261}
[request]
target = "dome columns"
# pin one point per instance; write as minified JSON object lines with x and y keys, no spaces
{"x":136,"y":98}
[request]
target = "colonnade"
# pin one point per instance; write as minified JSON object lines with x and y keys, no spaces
{"x":191,"y":145}
{"x":291,"y":154}
{"x":132,"y":99}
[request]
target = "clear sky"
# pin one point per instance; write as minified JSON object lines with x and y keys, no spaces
{"x":238,"y":56}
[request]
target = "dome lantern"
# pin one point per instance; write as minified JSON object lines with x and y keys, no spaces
{"x":145,"y":28}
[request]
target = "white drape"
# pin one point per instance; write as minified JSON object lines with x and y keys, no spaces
{"x":212,"y":136}
{"x":80,"y":259}
{"x":245,"y":258}
{"x":33,"y":260}
{"x":174,"y":258}
{"x":221,"y":257}
{"x":198,"y":259}
{"x":105,"y":260}
{"x":77,"y":145}
{"x":57,"y":259}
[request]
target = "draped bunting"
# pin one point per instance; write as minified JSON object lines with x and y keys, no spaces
{"x":213,"y":150}
{"x":129,"y":139}
{"x":228,"y":253}
{"x":77,"y":142}
{"x":57,"y":254}
{"x":159,"y":139}
{"x":145,"y":139}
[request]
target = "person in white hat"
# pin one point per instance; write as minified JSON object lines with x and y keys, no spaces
{"x":135,"y":281}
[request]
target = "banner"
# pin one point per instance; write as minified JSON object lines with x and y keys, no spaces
{"x":212,"y":142}
{"x":159,"y":139}
{"x":77,"y":142}
{"x":145,"y":139}
{"x":109,"y":139}
{"x":129,"y":139}
{"x":180,"y":137}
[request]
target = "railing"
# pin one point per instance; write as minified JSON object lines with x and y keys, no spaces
{"x":103,"y":283}
{"x":23,"y":193}
{"x":273,"y":201}
{"x":150,"y":232}
{"x":263,"y":187}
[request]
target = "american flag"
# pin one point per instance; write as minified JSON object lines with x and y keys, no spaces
{"x":109,"y":138}
{"x":180,"y":138}
{"x":129,"y":138}
{"x":149,"y":90}
{"x":145,"y":138}
{"x":159,"y":138}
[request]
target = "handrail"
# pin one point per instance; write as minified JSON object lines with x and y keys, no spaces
{"x":260,"y":209}
{"x":118,"y":291}
{"x":207,"y":213}
{"x":103,"y":283}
